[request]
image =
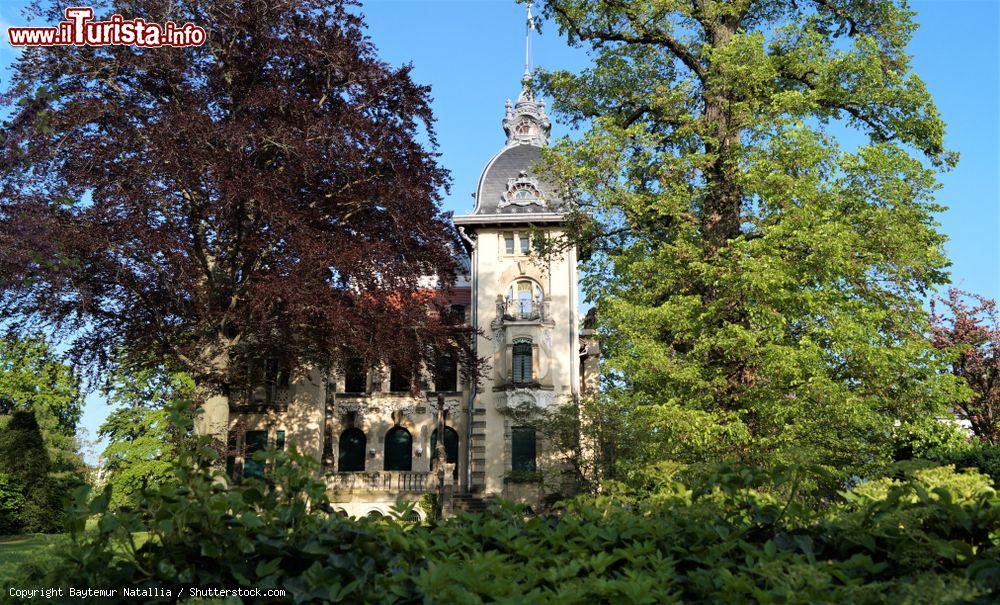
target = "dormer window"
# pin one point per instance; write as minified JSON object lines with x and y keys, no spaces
{"x":525,"y":128}
{"x":522,"y":191}
{"x":525,"y":193}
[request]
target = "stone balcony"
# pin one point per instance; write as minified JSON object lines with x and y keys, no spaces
{"x":388,"y":481}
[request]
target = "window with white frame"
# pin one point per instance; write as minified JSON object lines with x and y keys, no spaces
{"x":508,"y":243}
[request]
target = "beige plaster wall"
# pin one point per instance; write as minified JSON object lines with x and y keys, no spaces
{"x":559,"y":360}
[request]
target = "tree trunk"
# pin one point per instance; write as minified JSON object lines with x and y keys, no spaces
{"x":213,"y":421}
{"x":720,"y":216}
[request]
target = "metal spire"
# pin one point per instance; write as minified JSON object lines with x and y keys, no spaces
{"x":528,"y":26}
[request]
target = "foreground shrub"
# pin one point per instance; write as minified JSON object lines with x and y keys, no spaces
{"x":926,"y":534}
{"x":945,"y":442}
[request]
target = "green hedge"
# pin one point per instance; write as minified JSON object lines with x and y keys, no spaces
{"x":928,"y":534}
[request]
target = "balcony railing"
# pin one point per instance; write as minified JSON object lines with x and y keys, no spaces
{"x":523,"y":310}
{"x":383,"y":481}
{"x":258,"y":400}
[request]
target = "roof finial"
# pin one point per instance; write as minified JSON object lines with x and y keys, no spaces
{"x":528,"y":26}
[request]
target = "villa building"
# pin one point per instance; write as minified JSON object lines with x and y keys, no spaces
{"x":376,"y":439}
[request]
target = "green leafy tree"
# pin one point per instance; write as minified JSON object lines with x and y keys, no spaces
{"x":33,"y":378}
{"x":142,"y":442}
{"x":759,"y":283}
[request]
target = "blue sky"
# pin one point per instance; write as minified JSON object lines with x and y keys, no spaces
{"x":472,"y":52}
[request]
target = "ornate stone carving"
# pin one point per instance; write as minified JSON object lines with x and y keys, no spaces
{"x":522,"y":191}
{"x":525,"y":122}
{"x":360,"y":407}
{"x":451,"y":406}
{"x":405,"y":407}
{"x":521,"y":401}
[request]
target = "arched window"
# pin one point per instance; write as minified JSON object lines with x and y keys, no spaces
{"x":524,"y":298}
{"x":351,"y":453}
{"x":524,"y":127}
{"x":521,"y":361}
{"x":450,"y":448}
{"x":398,"y":450}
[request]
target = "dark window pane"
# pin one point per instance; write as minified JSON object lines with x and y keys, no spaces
{"x":279,"y":440}
{"x":522,"y":362}
{"x":398,"y":450}
{"x":457,"y":312}
{"x":276,"y":374}
{"x":232,"y":448}
{"x":446,"y":374}
{"x":255,"y":441}
{"x":522,"y":448}
{"x":399,"y":380}
{"x":450,"y":448}
{"x":355,"y":376}
{"x":351,"y":454}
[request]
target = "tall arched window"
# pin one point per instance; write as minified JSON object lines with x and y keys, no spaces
{"x":521,"y":361}
{"x":398,"y":450}
{"x":450,"y":448}
{"x":524,"y":298}
{"x":351,"y":451}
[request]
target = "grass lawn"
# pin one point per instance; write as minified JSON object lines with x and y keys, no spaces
{"x":14,"y":550}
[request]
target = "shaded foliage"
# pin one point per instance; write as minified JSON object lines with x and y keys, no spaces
{"x":34,"y":379}
{"x":924,"y":534}
{"x":263,"y":197}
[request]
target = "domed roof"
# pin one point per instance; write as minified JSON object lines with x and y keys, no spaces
{"x":509,"y":190}
{"x":509,"y":186}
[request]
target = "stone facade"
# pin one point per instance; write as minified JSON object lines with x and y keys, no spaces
{"x":537,"y":353}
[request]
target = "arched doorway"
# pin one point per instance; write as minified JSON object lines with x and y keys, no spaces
{"x":351,"y":451}
{"x":398,"y":450}
{"x":450,"y":448}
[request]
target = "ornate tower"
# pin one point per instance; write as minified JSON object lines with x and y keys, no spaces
{"x":525,"y":305}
